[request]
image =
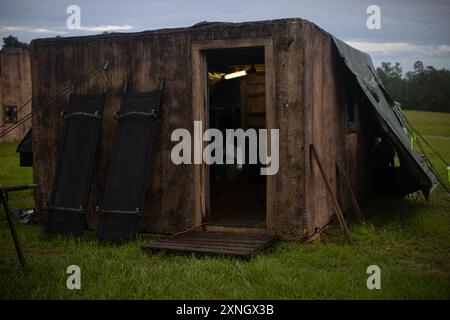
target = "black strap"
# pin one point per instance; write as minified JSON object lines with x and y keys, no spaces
{"x":80,"y":209}
{"x":153,"y":114}
{"x":95,"y":115}
{"x":101,"y":211}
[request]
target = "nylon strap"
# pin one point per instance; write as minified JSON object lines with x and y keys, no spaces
{"x":79,"y":210}
{"x":96,"y":115}
{"x":136,"y":212}
{"x":120,"y":116}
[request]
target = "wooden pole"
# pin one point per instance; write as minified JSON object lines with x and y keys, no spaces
{"x":339,"y":214}
{"x":356,"y":206}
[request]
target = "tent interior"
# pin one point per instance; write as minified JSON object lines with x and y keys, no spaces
{"x":389,"y":173}
{"x":237,"y":192}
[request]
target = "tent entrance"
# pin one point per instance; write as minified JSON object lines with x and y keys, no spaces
{"x":236,"y":100}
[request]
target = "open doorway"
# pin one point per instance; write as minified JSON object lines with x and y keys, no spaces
{"x":236,"y":99}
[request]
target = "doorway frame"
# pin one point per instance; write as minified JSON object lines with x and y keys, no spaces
{"x":200,"y":112}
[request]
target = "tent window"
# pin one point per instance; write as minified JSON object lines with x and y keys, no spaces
{"x":10,"y":114}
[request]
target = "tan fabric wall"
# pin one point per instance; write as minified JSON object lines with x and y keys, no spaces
{"x":305,"y":108}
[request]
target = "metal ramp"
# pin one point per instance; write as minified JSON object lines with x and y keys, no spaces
{"x":67,"y":207}
{"x":240,"y":245}
{"x":124,"y":194}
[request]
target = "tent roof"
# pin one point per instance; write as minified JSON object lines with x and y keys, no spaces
{"x":389,"y":115}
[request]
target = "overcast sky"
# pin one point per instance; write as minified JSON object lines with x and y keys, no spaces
{"x":410,"y":30}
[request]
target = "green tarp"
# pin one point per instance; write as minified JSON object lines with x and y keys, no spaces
{"x":389,"y":116}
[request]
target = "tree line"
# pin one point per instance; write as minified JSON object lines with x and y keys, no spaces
{"x":13,"y":42}
{"x":424,"y":88}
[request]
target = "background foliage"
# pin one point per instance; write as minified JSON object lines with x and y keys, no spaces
{"x":424,"y":88}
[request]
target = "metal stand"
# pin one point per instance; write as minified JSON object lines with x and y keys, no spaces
{"x":4,"y":199}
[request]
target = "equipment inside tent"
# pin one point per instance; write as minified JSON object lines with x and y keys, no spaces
{"x":25,"y":150}
{"x":72,"y":181}
{"x":124,"y":194}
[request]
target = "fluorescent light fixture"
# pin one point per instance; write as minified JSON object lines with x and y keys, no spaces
{"x":235,"y":74}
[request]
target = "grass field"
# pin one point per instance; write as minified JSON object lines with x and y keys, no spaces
{"x":409,"y":240}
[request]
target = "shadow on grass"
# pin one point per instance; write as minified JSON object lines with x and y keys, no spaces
{"x":382,"y":211}
{"x":385,"y":216}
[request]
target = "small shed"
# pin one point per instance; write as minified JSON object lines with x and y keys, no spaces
{"x":313,"y":88}
{"x":15,"y":93}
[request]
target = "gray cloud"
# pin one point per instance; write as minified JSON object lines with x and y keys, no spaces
{"x":106,"y":27}
{"x":14,"y":29}
{"x":411,"y":29}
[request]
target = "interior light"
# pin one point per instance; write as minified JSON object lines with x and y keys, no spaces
{"x":235,"y":74}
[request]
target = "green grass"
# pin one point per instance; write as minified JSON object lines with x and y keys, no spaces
{"x":435,"y":128}
{"x":430,"y":123}
{"x":409,"y":240}
{"x":12,"y":174}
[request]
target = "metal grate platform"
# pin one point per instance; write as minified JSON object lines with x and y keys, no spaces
{"x":218,"y":243}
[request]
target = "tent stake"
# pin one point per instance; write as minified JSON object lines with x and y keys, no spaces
{"x":339,"y":214}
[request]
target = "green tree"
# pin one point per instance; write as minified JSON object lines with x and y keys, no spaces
{"x":424,"y":88}
{"x":391,"y":76}
{"x":13,"y":42}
